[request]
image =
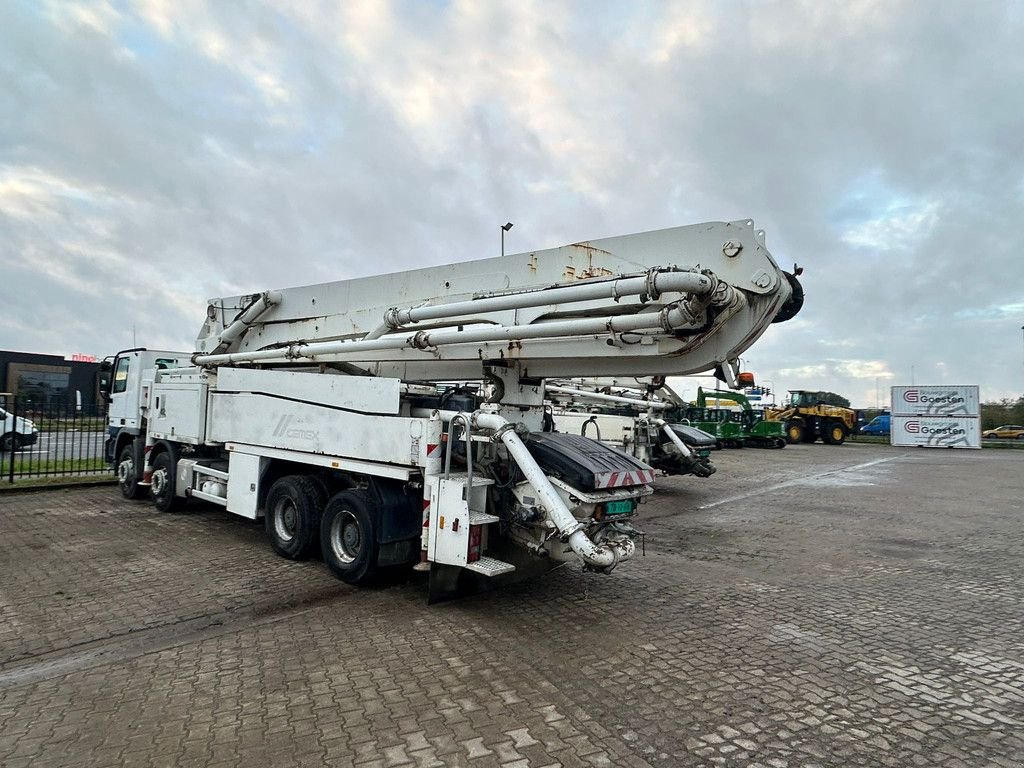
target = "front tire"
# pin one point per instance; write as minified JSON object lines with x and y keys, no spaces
{"x":795,"y":432}
{"x":294,"y":506}
{"x":349,"y":536}
{"x":163,"y":482}
{"x":127,"y":478}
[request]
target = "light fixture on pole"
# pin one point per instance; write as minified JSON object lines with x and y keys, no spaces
{"x":504,"y":228}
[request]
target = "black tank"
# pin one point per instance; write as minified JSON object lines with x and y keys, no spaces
{"x":586,"y":464}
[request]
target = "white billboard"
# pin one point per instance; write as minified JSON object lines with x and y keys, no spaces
{"x":943,"y":401}
{"x":936,"y":416}
{"x":937,"y":431}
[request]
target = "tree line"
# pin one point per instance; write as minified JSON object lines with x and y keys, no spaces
{"x":1006,"y":411}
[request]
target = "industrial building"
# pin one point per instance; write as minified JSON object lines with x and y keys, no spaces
{"x":51,"y":383}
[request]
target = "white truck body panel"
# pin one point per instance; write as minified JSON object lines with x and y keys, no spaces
{"x":343,"y":463}
{"x":354,"y":393}
{"x":177,"y":411}
{"x":245,"y":470}
{"x":243,"y":417}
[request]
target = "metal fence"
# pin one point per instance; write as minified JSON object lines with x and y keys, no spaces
{"x":58,"y":440}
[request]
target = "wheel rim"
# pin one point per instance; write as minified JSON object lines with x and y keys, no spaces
{"x":346,"y":537}
{"x":159,"y":481}
{"x":837,"y":433}
{"x":794,"y":433}
{"x":126,"y":472}
{"x":285,"y":519}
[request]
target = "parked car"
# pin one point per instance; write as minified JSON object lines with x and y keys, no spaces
{"x":877,"y":426}
{"x":16,"y":432}
{"x":1011,"y":431}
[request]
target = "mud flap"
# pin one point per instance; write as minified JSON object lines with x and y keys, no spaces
{"x":450,"y":582}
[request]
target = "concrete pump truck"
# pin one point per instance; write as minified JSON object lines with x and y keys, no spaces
{"x":315,"y":408}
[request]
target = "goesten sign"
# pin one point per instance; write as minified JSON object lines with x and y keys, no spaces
{"x":936,"y":432}
{"x":942,"y":401}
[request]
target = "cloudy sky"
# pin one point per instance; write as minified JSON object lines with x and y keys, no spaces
{"x":154,"y":154}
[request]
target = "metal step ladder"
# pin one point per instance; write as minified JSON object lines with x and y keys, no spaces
{"x":458,"y":520}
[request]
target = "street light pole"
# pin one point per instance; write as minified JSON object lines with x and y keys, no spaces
{"x":504,"y":228}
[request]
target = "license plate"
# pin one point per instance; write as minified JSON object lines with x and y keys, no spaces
{"x":618,"y":507}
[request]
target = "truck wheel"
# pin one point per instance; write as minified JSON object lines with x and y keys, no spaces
{"x":348,"y":536}
{"x":795,"y":432}
{"x":292,"y":520}
{"x":126,"y":474}
{"x":834,"y":433}
{"x":163,"y":482}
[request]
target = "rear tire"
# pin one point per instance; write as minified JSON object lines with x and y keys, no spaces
{"x":795,"y":432}
{"x":294,"y":506}
{"x":349,"y":536}
{"x":834,"y":433}
{"x":127,"y":479}
{"x":163,"y":482}
{"x":7,"y":443}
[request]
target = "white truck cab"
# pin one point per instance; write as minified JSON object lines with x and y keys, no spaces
{"x":131,"y":379}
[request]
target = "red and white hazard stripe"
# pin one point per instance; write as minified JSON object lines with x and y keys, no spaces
{"x":622,"y":479}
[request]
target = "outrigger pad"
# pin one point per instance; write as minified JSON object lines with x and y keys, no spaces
{"x":586,"y":464}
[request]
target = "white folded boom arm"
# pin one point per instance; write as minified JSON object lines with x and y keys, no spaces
{"x":668,"y":302}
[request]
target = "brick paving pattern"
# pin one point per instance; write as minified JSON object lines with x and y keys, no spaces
{"x":815,"y":606}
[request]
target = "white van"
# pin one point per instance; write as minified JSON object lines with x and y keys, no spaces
{"x":16,"y":432}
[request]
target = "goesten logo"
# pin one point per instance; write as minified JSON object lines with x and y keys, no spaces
{"x":915,"y":396}
{"x":917,"y":428}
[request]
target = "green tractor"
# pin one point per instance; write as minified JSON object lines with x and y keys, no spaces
{"x":732,"y":429}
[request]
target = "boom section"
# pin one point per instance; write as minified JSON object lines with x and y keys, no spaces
{"x":668,"y":302}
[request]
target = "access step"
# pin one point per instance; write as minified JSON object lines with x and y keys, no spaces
{"x":481,"y":518}
{"x":490,"y":566}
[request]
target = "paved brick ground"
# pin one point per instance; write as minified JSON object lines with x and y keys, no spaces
{"x":853,"y":606}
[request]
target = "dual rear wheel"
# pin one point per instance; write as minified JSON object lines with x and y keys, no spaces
{"x":300,"y":519}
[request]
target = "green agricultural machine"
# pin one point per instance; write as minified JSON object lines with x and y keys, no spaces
{"x":735,"y":429}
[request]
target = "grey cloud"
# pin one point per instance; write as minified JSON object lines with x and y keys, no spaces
{"x":232,"y":151}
